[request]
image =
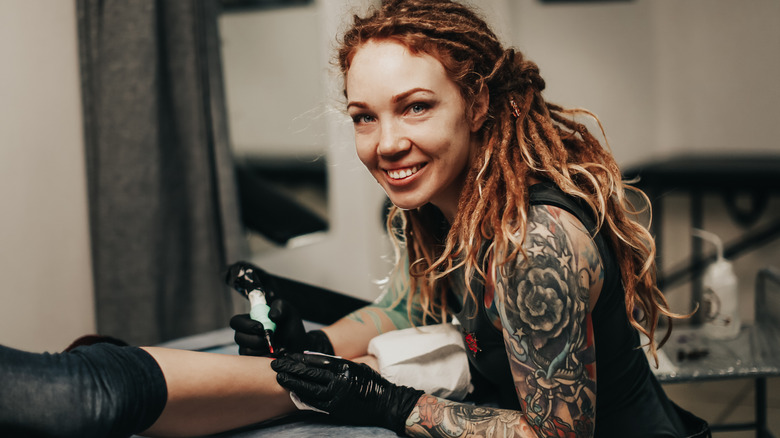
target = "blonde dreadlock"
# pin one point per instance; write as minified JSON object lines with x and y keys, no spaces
{"x":523,"y":137}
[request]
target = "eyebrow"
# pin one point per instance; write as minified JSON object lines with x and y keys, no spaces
{"x":395,"y":99}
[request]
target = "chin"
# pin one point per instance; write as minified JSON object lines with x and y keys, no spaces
{"x":406,"y":204}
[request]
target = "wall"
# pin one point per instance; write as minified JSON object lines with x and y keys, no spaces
{"x":45,"y":274}
{"x":716,"y":68}
{"x":665,"y":77}
{"x":274,"y":99}
{"x":596,"y":56}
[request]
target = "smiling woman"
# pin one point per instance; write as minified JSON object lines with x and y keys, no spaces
{"x":411,"y":128}
{"x":509,"y":216}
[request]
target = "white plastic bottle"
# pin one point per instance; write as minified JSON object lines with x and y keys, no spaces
{"x":720,"y":301}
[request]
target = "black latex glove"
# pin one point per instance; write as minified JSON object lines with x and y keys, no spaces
{"x":246,"y":277}
{"x":353,"y":393}
{"x":289,"y":337}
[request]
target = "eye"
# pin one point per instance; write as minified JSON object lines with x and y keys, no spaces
{"x":362,"y":118}
{"x":418,"y":108}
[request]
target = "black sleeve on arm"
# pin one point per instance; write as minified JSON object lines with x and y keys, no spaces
{"x":101,"y":390}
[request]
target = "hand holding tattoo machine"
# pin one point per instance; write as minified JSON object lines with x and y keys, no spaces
{"x":245,"y":278}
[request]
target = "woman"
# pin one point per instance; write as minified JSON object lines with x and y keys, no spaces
{"x":508,"y":215}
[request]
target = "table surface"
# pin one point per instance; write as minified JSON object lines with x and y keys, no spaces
{"x":313,"y":425}
{"x":753,"y":353}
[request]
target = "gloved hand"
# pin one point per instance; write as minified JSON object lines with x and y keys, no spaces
{"x":351,"y":392}
{"x":289,"y":337}
{"x":245,"y":277}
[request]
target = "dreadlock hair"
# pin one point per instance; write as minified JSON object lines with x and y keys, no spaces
{"x":523,"y":137}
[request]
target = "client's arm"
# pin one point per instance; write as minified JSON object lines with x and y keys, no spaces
{"x":108,"y":390}
{"x":209,"y":392}
{"x":91,"y":391}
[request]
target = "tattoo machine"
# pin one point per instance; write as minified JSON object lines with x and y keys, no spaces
{"x":245,"y":278}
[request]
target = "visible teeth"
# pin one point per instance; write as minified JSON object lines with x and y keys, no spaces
{"x":403,"y":173}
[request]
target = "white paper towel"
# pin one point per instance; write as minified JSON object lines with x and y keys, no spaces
{"x":430,"y":358}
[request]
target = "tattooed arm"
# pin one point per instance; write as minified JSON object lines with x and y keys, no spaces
{"x":437,"y":417}
{"x":544,"y":304}
{"x":350,"y":335}
{"x":544,"y":307}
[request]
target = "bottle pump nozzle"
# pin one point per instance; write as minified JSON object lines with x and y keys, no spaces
{"x":712,"y":238}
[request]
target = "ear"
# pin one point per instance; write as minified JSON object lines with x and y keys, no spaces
{"x":479,"y":109}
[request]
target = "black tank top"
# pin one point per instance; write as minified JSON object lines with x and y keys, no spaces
{"x":629,"y":400}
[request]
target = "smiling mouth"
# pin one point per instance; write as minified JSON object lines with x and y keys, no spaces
{"x":404,"y":173}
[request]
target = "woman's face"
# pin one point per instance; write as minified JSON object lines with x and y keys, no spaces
{"x":412,"y":129}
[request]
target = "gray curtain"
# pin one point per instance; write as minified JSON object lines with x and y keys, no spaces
{"x":164,"y":219}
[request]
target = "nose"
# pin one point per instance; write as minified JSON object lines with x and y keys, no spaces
{"x":392,"y":140}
